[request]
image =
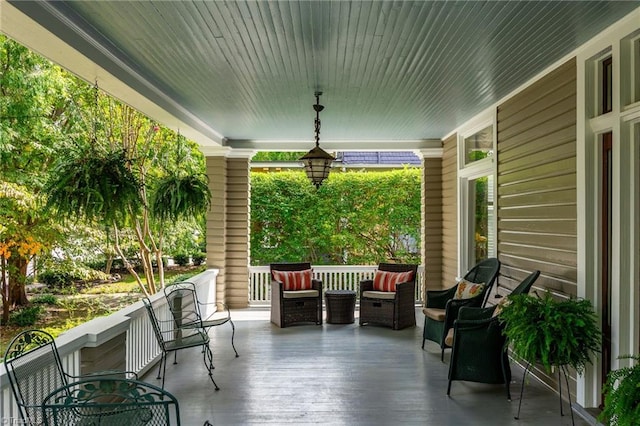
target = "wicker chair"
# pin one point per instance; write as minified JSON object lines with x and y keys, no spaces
{"x":297,"y":306}
{"x":35,"y":370}
{"x":110,"y":401}
{"x":479,"y":351}
{"x":187,"y":310}
{"x":441,"y":309}
{"x":392,"y":309}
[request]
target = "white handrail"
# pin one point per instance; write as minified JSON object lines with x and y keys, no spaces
{"x":140,"y":354}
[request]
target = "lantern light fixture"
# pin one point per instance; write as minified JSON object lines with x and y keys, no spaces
{"x":317,"y":162}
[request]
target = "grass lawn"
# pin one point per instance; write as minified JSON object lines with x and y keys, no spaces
{"x":63,"y":309}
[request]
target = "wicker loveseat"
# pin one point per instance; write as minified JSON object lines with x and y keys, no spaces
{"x":289,"y":306}
{"x":395,"y":309}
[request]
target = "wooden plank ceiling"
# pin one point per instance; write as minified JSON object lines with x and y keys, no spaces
{"x":395,"y":72}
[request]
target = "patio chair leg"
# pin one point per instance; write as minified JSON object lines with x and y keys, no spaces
{"x":507,"y":379}
{"x":175,"y":357}
{"x":209,"y":365}
{"x":423,"y":339}
{"x":524,"y":375}
{"x":233,"y":333}
{"x":164,"y":370}
{"x":449,"y":388}
{"x":160,"y":365}
{"x":442,"y":355}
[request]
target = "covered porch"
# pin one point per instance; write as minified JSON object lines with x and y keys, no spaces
{"x":302,"y":374}
{"x":343,"y":375}
{"x":421,"y":76}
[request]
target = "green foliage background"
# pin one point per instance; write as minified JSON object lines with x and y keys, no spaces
{"x":353,"y":218}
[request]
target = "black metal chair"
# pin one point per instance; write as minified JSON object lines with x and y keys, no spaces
{"x":35,"y":370}
{"x":187,"y":310}
{"x":110,"y":401}
{"x":395,"y":309}
{"x":479,"y":351}
{"x":172,"y":339}
{"x":294,"y":306}
{"x":441,"y":309}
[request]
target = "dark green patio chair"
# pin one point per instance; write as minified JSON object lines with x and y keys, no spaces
{"x":187,"y":310}
{"x":110,"y":401}
{"x":173,"y":339}
{"x":479,"y":351}
{"x":441,"y":307}
{"x":34,"y":370}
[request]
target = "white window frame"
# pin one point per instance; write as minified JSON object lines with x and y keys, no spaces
{"x":485,"y":167}
{"x":624,"y":124}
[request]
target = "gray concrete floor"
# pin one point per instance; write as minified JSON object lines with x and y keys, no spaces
{"x":341,"y":375}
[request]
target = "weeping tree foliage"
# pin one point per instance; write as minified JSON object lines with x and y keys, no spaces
{"x":353,"y":218}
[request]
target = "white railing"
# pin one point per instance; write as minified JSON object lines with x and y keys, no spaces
{"x":142,"y":350}
{"x":333,"y":277}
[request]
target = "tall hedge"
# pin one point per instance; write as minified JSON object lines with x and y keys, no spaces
{"x":353,"y":218}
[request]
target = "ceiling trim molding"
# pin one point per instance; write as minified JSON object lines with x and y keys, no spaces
{"x":336,"y":145}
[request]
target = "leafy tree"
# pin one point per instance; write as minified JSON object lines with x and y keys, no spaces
{"x":34,"y":112}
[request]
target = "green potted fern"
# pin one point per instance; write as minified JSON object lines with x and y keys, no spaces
{"x":622,"y":396}
{"x":554,"y":333}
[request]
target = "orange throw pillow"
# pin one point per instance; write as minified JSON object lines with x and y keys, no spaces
{"x":294,"y":280}
{"x":467,"y":289}
{"x":387,"y":281}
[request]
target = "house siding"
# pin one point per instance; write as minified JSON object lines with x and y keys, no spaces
{"x":536,"y":182}
{"x":449,"y":212}
{"x":237,"y":239}
{"x":216,"y":221}
{"x":432,"y":223}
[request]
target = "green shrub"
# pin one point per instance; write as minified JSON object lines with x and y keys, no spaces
{"x":45,"y":299}
{"x":56,"y":279}
{"x":182,"y":277}
{"x":64,"y":273}
{"x":198,"y":258}
{"x":25,"y":317}
{"x":181,"y":259}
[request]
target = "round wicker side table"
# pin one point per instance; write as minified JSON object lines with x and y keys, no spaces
{"x":341,"y":305}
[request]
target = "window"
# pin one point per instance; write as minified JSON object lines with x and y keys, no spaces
{"x":476,"y":195}
{"x":482,"y":244}
{"x":478,"y":146}
{"x":606,"y":86}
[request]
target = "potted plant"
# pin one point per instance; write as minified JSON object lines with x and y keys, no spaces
{"x":555,"y":333}
{"x":622,"y":395}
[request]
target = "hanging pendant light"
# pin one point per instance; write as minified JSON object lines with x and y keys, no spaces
{"x":317,"y":162}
